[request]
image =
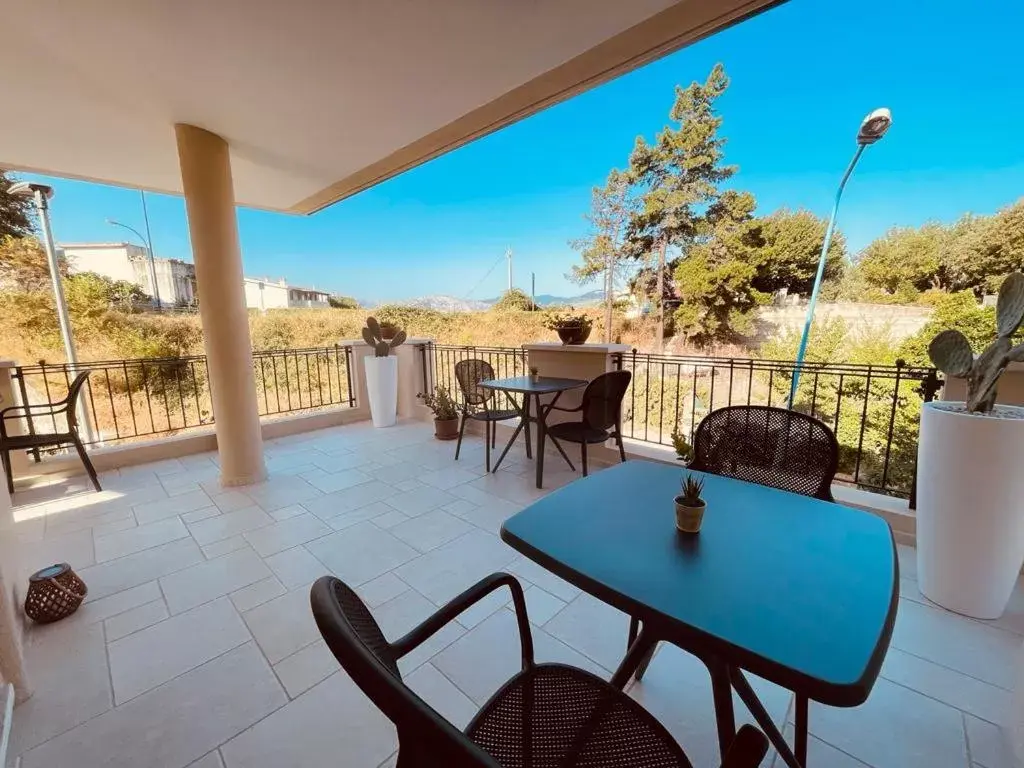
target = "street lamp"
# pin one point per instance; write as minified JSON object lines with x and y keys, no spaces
{"x":872,"y":128}
{"x":149,"y":246}
{"x":41,"y":194}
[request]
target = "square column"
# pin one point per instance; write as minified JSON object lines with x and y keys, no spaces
{"x":210,"y":202}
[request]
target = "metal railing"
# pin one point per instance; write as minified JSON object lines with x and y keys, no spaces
{"x":134,"y":399}
{"x":874,"y":410}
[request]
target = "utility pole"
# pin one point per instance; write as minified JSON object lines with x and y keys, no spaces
{"x":661,"y":295}
{"x":533,"y":289}
{"x":152,"y":257}
{"x":508,"y":255}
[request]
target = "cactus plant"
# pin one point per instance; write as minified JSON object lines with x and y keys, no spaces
{"x":372,"y":336}
{"x":952,"y":354}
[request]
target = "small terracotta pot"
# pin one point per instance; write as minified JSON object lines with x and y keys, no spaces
{"x":388,"y":331}
{"x":575,"y":334}
{"x":446,"y":429}
{"x":688,"y":519}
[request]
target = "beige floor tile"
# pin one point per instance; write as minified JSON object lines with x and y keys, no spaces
{"x":229,"y":501}
{"x":399,"y":615}
{"x":174,"y":724}
{"x":374,"y":511}
{"x":74,"y":548}
{"x":229,"y":524}
{"x":446,"y":478}
{"x":103,"y":608}
{"x":594,"y":628}
{"x":284,"y":513}
{"x":286,"y":534}
{"x":446,"y":571}
{"x":212,"y":579}
{"x":389,"y":519}
{"x":989,"y":745}
{"x":249,"y":597}
{"x":126,"y":572}
{"x":430,"y":530}
{"x":151,"y":657}
{"x":306,"y":667}
{"x":820,"y":754}
{"x":439,"y":692}
{"x":283,"y":625}
{"x":484,"y":608}
{"x":296,"y":567}
{"x":333,"y":504}
{"x":543,"y":578}
{"x":200,"y":514}
{"x":488,"y":655}
{"x":332,"y":721}
{"x":280,"y":491}
{"x":211,"y":760}
{"x":329,"y":482}
{"x":69,"y":672}
{"x":421,"y":500}
{"x":224,"y":546}
{"x":151,"y":511}
{"x":137,"y":539}
{"x":361,"y":553}
{"x":542,"y":606}
{"x":135,"y":619}
{"x":895,"y":728}
{"x":381,"y":590}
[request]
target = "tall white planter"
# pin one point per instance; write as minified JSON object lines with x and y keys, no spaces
{"x":970,"y":507}
{"x":382,"y":389}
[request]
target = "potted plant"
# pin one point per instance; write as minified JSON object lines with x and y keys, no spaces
{"x":388,"y":331}
{"x":446,"y":412}
{"x":534,"y":374}
{"x":382,"y":374}
{"x":689,"y":505}
{"x":970,"y":521}
{"x":571,"y":328}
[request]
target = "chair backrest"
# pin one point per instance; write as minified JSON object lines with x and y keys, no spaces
{"x":358,"y":644}
{"x":74,"y":391}
{"x":768,"y":446}
{"x":602,"y":399}
{"x":469,"y":374}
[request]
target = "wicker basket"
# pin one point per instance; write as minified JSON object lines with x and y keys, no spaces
{"x":53,"y":593}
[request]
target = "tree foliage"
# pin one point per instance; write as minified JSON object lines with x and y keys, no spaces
{"x":15,"y":211}
{"x":516,"y":300}
{"x":23,"y":264}
{"x":343,"y":302}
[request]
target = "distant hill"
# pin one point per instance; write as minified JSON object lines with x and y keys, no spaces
{"x":443,"y":303}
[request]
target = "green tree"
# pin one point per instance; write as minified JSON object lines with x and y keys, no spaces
{"x":343,"y":302}
{"x":23,"y":264}
{"x":602,"y":249}
{"x":982,"y":250}
{"x":905,"y":261}
{"x":677,"y":177}
{"x":516,"y":300}
{"x":15,"y":211}
{"x":959,"y":311}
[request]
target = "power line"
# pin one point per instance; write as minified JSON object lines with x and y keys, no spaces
{"x":488,"y":274}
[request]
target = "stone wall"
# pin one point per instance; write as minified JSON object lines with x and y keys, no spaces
{"x":899,"y":321}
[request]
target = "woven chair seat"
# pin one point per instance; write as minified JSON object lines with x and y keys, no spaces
{"x":577,"y":432}
{"x":493,"y":415}
{"x":553,"y":715}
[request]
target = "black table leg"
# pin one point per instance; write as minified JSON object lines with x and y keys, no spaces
{"x":541,"y":434}
{"x":764,"y":720}
{"x":801,"y":729}
{"x":721,"y":691}
{"x":638,"y":649}
{"x":524,"y":421}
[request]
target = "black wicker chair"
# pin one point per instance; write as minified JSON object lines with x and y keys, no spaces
{"x":768,"y":446}
{"x":601,"y":416}
{"x":477,"y":404}
{"x":67,"y":409}
{"x":547,"y":716}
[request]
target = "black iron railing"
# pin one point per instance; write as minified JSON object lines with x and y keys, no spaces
{"x":873,"y":409}
{"x":132,"y":399}
{"x":439,"y":362}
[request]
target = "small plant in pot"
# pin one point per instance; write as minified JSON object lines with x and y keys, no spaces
{"x":689,"y":505}
{"x":534,"y":373}
{"x":388,"y":331}
{"x":571,"y":328}
{"x":446,"y":412}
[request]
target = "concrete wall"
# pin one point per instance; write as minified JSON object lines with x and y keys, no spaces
{"x":265,"y":294}
{"x":1011,"y":387}
{"x":898,"y":321}
{"x":175,"y":279}
{"x":113,"y":261}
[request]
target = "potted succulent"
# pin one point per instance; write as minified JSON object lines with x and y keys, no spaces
{"x":689,"y":505}
{"x":571,"y":328}
{"x":382,"y":374}
{"x":970,"y":487}
{"x":446,"y":412}
{"x":534,"y":374}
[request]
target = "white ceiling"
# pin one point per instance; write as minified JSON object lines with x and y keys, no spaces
{"x":307,"y":92}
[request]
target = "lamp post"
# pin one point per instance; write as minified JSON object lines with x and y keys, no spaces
{"x":41,"y":194}
{"x":148,"y":240}
{"x":872,"y":128}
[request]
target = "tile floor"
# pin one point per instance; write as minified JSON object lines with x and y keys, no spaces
{"x":196,"y":646}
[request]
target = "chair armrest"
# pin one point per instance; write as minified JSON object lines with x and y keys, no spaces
{"x":567,"y":410}
{"x":747,"y":749}
{"x":51,"y":409}
{"x":460,"y":603}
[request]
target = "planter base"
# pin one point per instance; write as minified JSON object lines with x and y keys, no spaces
{"x":446,"y":429}
{"x":382,"y":389}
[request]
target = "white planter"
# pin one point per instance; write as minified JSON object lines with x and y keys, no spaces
{"x":970,"y":507}
{"x":382,"y":389}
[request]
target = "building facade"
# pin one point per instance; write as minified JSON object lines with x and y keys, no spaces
{"x":263,"y":293}
{"x":175,"y":279}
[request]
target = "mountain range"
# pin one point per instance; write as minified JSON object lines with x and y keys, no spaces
{"x":443,"y":303}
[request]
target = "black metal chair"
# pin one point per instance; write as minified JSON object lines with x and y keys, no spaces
{"x":546,"y":716}
{"x":601,"y":416}
{"x":477,"y":404}
{"x":67,"y":409}
{"x":769,"y":446}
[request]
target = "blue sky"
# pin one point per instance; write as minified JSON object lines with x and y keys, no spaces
{"x":803,"y":75}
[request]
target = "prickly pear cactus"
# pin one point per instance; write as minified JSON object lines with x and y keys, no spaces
{"x":952,"y":353}
{"x":372,"y":336}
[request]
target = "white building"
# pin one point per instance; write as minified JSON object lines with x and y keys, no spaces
{"x":175,"y":279}
{"x":263,"y":293}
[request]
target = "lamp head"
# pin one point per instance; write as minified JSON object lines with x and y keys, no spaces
{"x":29,"y":189}
{"x":874,"y":126}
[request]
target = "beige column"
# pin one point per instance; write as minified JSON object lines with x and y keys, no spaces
{"x":210,"y":202}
